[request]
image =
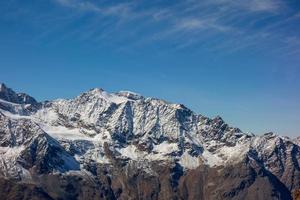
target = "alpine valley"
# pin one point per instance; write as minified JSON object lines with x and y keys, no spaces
{"x":122,"y":145}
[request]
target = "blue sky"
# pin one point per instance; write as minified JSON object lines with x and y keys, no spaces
{"x":234,"y":58}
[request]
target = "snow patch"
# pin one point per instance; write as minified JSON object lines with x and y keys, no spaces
{"x":61,"y":132}
{"x":226,"y":154}
{"x":9,"y":165}
{"x":14,"y":116}
{"x":211,"y":159}
{"x":132,"y":152}
{"x":165,"y":147}
{"x":109,"y":97}
{"x":189,"y":162}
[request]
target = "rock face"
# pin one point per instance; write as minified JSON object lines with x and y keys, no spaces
{"x":297,"y":140}
{"x":9,"y":95}
{"x":122,"y":145}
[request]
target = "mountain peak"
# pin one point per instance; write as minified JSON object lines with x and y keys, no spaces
{"x":10,"y":95}
{"x":297,"y":140}
{"x":99,"y":93}
{"x":130,"y":95}
{"x":96,"y":90}
{"x":112,"y":133}
{"x":2,"y":86}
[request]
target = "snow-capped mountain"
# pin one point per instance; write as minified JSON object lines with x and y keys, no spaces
{"x":122,"y":145}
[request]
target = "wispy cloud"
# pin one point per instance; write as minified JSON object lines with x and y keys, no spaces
{"x":120,"y":9}
{"x":251,"y":5}
{"x":213,"y":25}
{"x":264,"y":5}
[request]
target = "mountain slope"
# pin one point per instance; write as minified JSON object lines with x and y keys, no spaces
{"x":123,"y":145}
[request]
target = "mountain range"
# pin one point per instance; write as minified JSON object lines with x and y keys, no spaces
{"x":102,"y":145}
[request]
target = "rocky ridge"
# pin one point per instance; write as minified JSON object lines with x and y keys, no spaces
{"x":106,"y":145}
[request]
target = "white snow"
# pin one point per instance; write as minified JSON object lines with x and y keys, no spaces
{"x":11,"y":152}
{"x":14,"y":116}
{"x":127,"y":92}
{"x":234,"y":154}
{"x":226,"y":154}
{"x":46,"y":116}
{"x":109,"y":97}
{"x":8,"y":162}
{"x":131,"y":152}
{"x":94,"y":109}
{"x":211,"y":159}
{"x":17,"y":108}
{"x":61,"y":132}
{"x":189,"y":162}
{"x":165,"y":147}
{"x":9,"y":103}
